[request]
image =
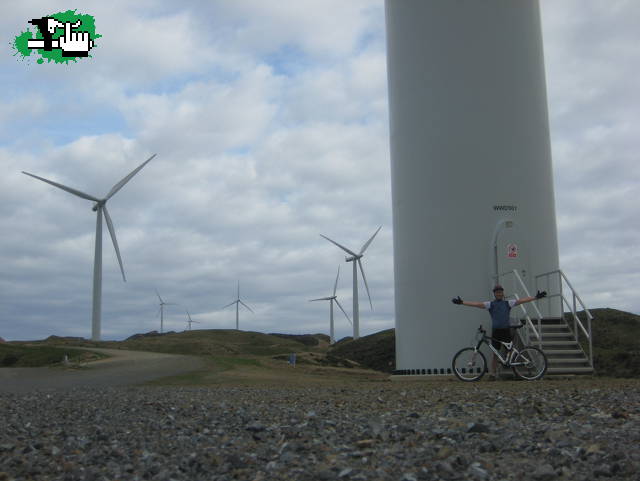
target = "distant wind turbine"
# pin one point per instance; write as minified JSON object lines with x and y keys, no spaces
{"x":237,"y":302}
{"x":99,"y":207}
{"x":331,"y":299}
{"x":190,"y":321}
{"x":161,"y":310}
{"x":355,"y":258}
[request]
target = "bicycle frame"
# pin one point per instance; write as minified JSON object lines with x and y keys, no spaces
{"x":470,"y":363}
{"x":511,"y":354}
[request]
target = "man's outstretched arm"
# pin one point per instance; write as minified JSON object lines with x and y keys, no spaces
{"x":539,"y":295}
{"x":458,"y":300}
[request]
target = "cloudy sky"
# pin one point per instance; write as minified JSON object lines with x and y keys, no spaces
{"x":270,"y":124}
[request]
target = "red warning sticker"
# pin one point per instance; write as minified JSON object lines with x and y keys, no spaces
{"x":512,"y":251}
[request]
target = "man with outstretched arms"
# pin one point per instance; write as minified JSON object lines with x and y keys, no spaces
{"x":499,"y":310}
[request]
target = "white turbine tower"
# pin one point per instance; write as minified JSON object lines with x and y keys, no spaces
{"x":190,"y":321}
{"x":161,"y":310}
{"x":237,"y":302}
{"x":331,"y":299}
{"x":355,"y":258}
{"x":99,"y":207}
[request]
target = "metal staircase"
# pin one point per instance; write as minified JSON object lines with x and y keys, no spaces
{"x":563,"y":350}
{"x":566,"y":341}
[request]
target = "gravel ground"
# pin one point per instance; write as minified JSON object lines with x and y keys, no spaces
{"x":546,"y":430}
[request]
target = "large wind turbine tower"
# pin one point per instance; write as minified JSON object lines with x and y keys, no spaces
{"x":471,"y":172}
{"x":100,"y":208}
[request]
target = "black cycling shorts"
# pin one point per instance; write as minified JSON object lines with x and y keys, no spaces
{"x":503,"y":335}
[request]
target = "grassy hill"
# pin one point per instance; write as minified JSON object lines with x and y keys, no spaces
{"x":311,"y":340}
{"x":376,"y":351}
{"x":204,"y":342}
{"x":12,"y":355}
{"x":616,"y":342}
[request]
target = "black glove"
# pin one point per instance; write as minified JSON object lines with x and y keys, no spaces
{"x":456,"y":300}
{"x":540,"y":295}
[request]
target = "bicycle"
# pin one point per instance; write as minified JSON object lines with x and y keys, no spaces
{"x":470,"y":364}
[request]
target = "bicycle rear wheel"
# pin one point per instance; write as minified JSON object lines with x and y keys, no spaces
{"x":469,"y":364}
{"x":530,"y":363}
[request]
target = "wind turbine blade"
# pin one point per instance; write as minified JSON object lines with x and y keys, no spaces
{"x":189,"y":315}
{"x":238,"y":298}
{"x":366,"y":244}
{"x":344,"y":312}
{"x":335,"y":286}
{"x":321,"y":299}
{"x":158,"y":294}
{"x":341,"y":247}
{"x":245,"y":306}
{"x":112,"y":232}
{"x":365,"y":283}
{"x":230,"y":304}
{"x":120,"y":184}
{"x":64,"y":187}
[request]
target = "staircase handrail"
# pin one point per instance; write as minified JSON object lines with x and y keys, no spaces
{"x":582,"y":304}
{"x":526,"y":291}
{"x":572,"y":308}
{"x":529,"y":321}
{"x":575,"y":294}
{"x":575,"y":317}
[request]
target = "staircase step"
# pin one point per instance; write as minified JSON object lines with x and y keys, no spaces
{"x":570,"y":370}
{"x":553,"y":326}
{"x":558,"y":352}
{"x":546,"y":343}
{"x":564,"y":353}
{"x":567,"y":360}
{"x":552,"y":320}
{"x":550,"y":327}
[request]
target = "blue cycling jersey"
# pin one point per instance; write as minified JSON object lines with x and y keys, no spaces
{"x":499,"y":311}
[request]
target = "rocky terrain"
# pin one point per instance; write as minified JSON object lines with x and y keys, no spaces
{"x":573,"y":429}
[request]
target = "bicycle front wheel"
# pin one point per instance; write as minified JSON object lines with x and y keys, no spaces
{"x":530,"y":363}
{"x":469,"y":364}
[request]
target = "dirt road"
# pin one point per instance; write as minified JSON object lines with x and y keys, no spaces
{"x":120,"y":369}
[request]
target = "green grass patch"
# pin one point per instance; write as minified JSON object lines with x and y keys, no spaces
{"x":616,"y":342}
{"x":205,"y":342}
{"x":38,"y":356}
{"x":226,"y":363}
{"x":212,"y":342}
{"x":376,"y":351}
{"x":217,"y":366}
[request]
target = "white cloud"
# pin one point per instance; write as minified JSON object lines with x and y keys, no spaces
{"x":324,"y":28}
{"x":216,"y":116}
{"x":592,"y":53}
